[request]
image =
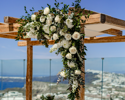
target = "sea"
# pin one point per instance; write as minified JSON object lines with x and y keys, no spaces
{"x":5,"y":85}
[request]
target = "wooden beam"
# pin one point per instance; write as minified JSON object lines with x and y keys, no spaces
{"x":6,"y":28}
{"x":29,"y":71}
{"x":34,"y":43}
{"x":107,"y":38}
{"x":102,"y":18}
{"x":82,"y":87}
{"x":9,"y":35}
{"x":8,"y":19}
{"x":12,"y":33}
{"x":115,"y":21}
{"x":86,"y":40}
{"x":2,"y":23}
{"x":104,"y":41}
{"x":113,"y":32}
{"x":9,"y":27}
{"x":93,"y":19}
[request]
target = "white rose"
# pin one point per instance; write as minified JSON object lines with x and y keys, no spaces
{"x":42,"y":18}
{"x":63,"y":74}
{"x":75,"y":82}
{"x":70,"y":26}
{"x":54,"y":47}
{"x":77,"y":72}
{"x":57,"y":19}
{"x":76,"y":35}
{"x":65,"y":43}
{"x":46,"y":11}
{"x":33,"y":17}
{"x":53,"y":28}
{"x":69,"y":56}
{"x":68,"y":36}
{"x":61,"y":33}
{"x":71,"y":64}
{"x":69,"y":23}
{"x":59,"y":45}
{"x":74,"y":86}
{"x":32,"y":30}
{"x":47,"y":36}
{"x":55,"y":36}
{"x":31,"y":35}
{"x":49,"y":17}
{"x":46,"y":28}
{"x":25,"y":27}
{"x":48,"y":22}
{"x":72,"y":50}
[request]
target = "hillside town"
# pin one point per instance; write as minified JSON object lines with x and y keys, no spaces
{"x":113,"y":88}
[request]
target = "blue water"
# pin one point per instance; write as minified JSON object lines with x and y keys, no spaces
{"x":5,"y":85}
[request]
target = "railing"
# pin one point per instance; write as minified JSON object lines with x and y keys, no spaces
{"x":105,"y":78}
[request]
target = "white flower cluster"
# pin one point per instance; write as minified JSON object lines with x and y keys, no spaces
{"x":74,"y":86}
{"x":50,"y":25}
{"x":32,"y":33}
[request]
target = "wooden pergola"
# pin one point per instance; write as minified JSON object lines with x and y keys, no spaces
{"x":97,"y":24}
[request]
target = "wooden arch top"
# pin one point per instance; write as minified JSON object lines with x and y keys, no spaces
{"x":96,"y":25}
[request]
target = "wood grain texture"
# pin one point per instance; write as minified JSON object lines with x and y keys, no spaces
{"x":8,"y":19}
{"x":86,"y":40}
{"x":9,"y":27}
{"x":104,"y":41}
{"x":115,"y":21}
{"x":113,"y":32}
{"x":106,"y":38}
{"x":93,"y":19}
{"x":29,"y":71}
{"x":34,"y":43}
{"x":12,"y":33}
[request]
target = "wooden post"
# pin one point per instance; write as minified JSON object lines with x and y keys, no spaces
{"x":29,"y":71}
{"x":82,"y":90}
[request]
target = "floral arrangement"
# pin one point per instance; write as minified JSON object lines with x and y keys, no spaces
{"x":64,"y":26}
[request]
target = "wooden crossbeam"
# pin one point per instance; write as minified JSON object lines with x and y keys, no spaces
{"x":9,"y":37}
{"x":104,"y":41}
{"x":106,"y":38}
{"x":2,"y":23}
{"x":86,"y":40}
{"x":102,"y":18}
{"x":113,"y":32}
{"x":9,"y":27}
{"x":8,"y":19}
{"x":6,"y":28}
{"x":34,"y":43}
{"x":12,"y":33}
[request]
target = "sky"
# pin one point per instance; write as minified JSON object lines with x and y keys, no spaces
{"x":15,"y":8}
